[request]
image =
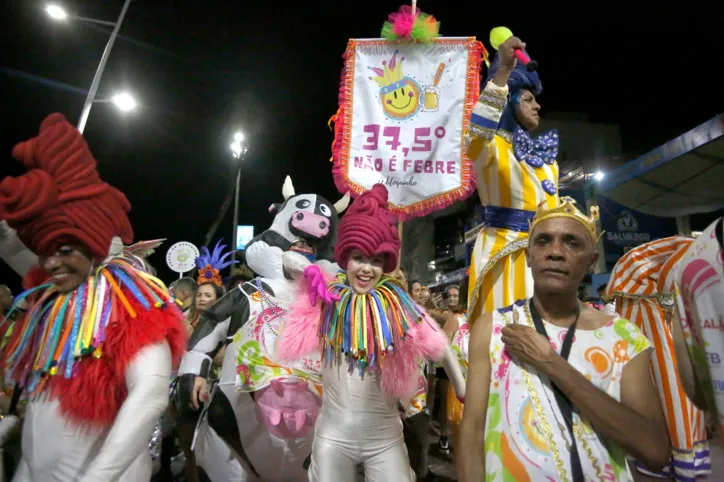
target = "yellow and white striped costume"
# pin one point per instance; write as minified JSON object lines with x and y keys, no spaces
{"x":499,"y":275}
{"x":643,"y":286}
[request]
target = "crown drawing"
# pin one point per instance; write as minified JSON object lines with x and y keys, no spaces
{"x":567,"y":209}
{"x":390,"y":76}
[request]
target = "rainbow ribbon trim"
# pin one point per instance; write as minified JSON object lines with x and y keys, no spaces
{"x":61,"y":328}
{"x":366,"y":327}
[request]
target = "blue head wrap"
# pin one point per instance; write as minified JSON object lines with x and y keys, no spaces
{"x":519,"y":79}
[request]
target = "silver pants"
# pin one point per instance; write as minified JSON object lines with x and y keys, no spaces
{"x":358,"y":425}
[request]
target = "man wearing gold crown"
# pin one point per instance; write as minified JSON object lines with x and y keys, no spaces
{"x":558,"y":390}
{"x":514,"y":173}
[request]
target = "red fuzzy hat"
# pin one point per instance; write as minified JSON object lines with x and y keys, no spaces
{"x":62,"y":199}
{"x":368,"y":226}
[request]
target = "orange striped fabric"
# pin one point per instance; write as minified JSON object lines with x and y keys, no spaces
{"x":642,"y":285}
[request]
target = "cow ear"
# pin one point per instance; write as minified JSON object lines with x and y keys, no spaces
{"x":274,"y":208}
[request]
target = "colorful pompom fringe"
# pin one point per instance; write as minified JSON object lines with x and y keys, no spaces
{"x":404,"y":26}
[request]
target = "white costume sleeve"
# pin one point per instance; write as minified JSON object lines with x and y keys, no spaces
{"x":147,"y":379}
{"x":454,"y":372}
{"x":294,"y":264}
{"x":328,"y":266}
{"x":264,"y":259}
{"x":14,"y":252}
{"x":487,"y":114}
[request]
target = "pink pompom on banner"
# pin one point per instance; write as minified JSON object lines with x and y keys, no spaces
{"x":403,"y":20}
{"x":409,"y":24}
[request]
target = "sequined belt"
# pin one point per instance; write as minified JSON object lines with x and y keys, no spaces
{"x":508,"y":218}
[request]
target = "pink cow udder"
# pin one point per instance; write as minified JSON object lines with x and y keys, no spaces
{"x":289,"y":409}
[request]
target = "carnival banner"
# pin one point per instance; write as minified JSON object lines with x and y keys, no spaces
{"x":403,"y":110}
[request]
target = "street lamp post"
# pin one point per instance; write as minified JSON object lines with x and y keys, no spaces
{"x":238,"y":149}
{"x":59,"y":14}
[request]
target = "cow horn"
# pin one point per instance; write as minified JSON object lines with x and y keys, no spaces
{"x":342,"y":204}
{"x":288,"y":188}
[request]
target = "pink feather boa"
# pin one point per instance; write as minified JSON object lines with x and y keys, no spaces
{"x":300,"y":333}
{"x":400,"y":370}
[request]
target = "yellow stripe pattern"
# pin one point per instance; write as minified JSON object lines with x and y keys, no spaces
{"x":499,"y":275}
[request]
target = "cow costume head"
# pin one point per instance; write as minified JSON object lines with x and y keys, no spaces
{"x":306,"y":223}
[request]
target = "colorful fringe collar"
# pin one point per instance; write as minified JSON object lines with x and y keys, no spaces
{"x":366,"y":327}
{"x":61,"y":328}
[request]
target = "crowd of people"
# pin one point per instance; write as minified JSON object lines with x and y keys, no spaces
{"x":331,"y":364}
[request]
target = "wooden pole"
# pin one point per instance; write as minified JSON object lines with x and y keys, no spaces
{"x":399,"y":232}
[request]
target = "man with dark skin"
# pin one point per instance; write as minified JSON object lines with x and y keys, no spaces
{"x":92,"y":417}
{"x":561,"y":251}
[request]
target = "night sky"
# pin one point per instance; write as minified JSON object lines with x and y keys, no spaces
{"x":202,"y":70}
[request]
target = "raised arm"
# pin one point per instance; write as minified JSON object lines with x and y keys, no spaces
{"x":147,"y":379}
{"x":490,"y":106}
{"x":485,"y":118}
{"x":14,"y":252}
{"x":471,"y":455}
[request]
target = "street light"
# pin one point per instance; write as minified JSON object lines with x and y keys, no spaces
{"x":58,"y":13}
{"x":238,"y":149}
{"x":124,"y":101}
{"x":598,"y":176}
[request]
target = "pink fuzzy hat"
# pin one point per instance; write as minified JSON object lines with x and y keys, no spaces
{"x":368,"y":226}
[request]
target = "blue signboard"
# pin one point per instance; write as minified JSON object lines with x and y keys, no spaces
{"x":243,"y":236}
{"x":625,"y":228}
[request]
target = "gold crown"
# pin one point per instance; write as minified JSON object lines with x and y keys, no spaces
{"x":390,"y":75}
{"x":567,"y":209}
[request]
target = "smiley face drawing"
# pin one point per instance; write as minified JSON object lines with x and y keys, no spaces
{"x":399,"y":95}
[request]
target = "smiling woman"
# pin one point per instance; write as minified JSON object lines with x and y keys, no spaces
{"x":69,"y":266}
{"x":106,"y":335}
{"x":364,"y":319}
{"x":364,"y":272}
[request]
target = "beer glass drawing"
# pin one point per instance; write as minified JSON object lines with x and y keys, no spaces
{"x":431,"y":96}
